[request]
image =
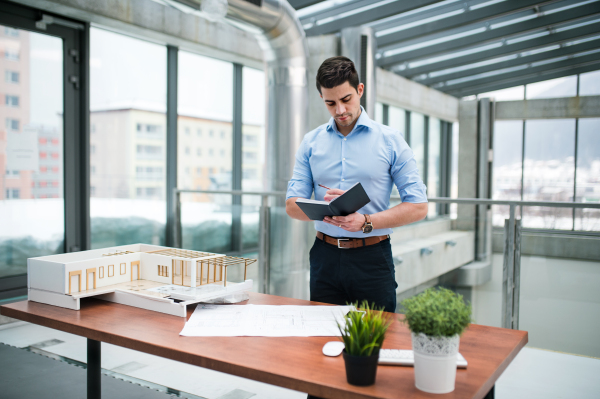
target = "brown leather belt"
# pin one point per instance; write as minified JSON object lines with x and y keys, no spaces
{"x":347,"y":243}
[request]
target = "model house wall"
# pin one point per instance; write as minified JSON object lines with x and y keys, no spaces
{"x":150,"y":268}
{"x":53,"y":273}
{"x":111,"y":273}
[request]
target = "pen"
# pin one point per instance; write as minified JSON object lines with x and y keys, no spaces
{"x":324,"y":187}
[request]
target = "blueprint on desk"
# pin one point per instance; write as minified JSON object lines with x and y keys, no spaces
{"x":264,"y":321}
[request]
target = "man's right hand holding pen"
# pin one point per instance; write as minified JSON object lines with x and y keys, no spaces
{"x":331,"y":193}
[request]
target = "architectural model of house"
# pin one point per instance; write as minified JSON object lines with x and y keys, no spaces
{"x":146,"y":276}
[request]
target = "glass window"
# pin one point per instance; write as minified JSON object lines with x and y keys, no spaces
{"x":253,"y":151}
{"x":548,"y":172}
{"x":433,"y":167}
{"x":507,"y":166}
{"x":31,"y":194}
{"x":588,"y":173}
{"x":508,"y":94}
{"x":561,"y":87}
{"x":379,"y":112}
{"x":417,"y":139}
{"x":589,"y":84}
{"x":253,"y":128}
{"x":129,"y":118}
{"x":11,"y":76}
{"x":397,"y":119}
{"x":454,"y":173}
{"x":205,"y":103}
{"x":11,"y":101}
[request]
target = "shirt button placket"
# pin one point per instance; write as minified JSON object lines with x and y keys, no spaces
{"x":343,"y":159}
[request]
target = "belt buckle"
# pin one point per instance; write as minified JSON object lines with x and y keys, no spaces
{"x":342,"y":239}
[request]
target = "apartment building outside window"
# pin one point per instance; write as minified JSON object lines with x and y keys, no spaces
{"x":12,"y":124}
{"x":11,"y":101}
{"x":12,"y":193}
{"x":11,"y":55}
{"x":11,"y":77}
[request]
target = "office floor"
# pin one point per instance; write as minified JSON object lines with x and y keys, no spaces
{"x":535,"y":373}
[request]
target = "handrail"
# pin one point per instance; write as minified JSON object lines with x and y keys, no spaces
{"x":232,"y":192}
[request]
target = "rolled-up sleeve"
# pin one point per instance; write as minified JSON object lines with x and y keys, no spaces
{"x":405,"y":173}
{"x":301,"y":184}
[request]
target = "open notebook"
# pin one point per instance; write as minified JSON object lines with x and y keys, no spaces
{"x":349,"y":202}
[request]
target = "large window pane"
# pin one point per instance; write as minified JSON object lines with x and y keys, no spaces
{"x":253,"y":129}
{"x":588,"y":174}
{"x":127,"y":140}
{"x":253,"y":151}
{"x":204,"y":153}
{"x":379,"y":112}
{"x":589,"y":84}
{"x":507,"y":166}
{"x":509,"y":94}
{"x":549,"y":171}
{"x":417,"y":139}
{"x":396,"y":119}
{"x":433,"y":167}
{"x":561,"y":87}
{"x":454,"y":173}
{"x":31,"y":148}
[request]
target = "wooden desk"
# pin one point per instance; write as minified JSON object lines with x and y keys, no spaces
{"x":290,"y":362}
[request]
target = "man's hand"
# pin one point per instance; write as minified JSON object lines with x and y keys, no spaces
{"x":333,"y":193}
{"x":353,"y":222}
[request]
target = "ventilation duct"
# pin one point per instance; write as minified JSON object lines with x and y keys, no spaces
{"x":281,"y":37}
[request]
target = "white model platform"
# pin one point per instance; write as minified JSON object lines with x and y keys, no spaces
{"x":151,"y":277}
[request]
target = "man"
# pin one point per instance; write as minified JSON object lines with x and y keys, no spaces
{"x":351,"y":259}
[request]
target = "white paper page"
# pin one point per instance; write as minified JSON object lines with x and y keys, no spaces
{"x":311,"y":201}
{"x":264,"y":321}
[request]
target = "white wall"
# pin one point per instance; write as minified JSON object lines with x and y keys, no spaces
{"x":105,"y":261}
{"x":150,"y":263}
{"x":400,"y":92}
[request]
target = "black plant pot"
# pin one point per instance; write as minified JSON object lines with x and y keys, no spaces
{"x":361,"y":370}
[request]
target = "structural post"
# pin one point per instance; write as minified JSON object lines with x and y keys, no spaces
{"x":511,"y":273}
{"x":93,"y":369}
{"x":171,"y":184}
{"x":264,"y":246}
{"x":176,"y":226}
{"x":484,"y":134}
{"x":236,"y":167}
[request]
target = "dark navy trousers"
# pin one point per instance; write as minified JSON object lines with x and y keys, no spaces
{"x":341,"y":276}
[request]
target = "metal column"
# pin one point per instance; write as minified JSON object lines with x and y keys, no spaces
{"x":511,"y":273}
{"x":264,"y":246}
{"x":94,"y":390}
{"x":172,"y":54}
{"x":236,"y":167}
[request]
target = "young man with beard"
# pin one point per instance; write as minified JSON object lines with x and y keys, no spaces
{"x":351,"y":259}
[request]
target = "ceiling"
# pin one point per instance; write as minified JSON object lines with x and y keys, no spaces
{"x":468,"y":47}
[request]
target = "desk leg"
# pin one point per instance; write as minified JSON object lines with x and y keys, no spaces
{"x":93,"y":369}
{"x":491,"y":393}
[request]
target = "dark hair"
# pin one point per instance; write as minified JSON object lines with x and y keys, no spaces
{"x":335,"y":71}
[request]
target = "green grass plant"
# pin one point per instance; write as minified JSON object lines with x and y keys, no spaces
{"x":437,"y":313}
{"x":364,"y":331}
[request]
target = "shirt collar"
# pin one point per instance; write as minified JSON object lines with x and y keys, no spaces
{"x":363,"y":120}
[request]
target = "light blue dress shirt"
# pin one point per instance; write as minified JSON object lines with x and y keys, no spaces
{"x":373,"y":154}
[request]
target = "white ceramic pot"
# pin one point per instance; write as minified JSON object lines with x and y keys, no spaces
{"x":435,"y":362}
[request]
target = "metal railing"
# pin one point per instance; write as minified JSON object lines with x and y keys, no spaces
{"x":512,"y":237}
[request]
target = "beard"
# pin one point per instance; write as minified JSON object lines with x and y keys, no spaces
{"x":346,"y":122}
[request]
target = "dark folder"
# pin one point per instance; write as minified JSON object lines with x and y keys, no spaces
{"x":347,"y":203}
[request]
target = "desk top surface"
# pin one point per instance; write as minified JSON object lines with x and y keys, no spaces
{"x":292,"y":362}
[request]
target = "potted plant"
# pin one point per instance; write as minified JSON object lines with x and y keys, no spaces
{"x":363,"y":332}
{"x":436,"y":319}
